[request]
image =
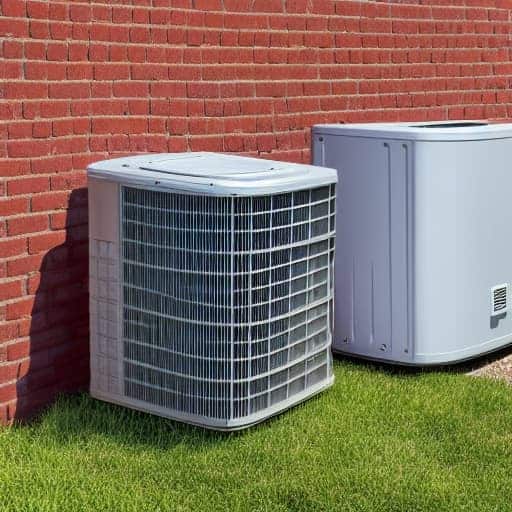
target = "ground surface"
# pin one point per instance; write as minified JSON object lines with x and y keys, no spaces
{"x":377,"y":441}
{"x":496,"y":366}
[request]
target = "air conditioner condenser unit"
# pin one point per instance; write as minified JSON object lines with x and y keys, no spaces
{"x":211,"y":285}
{"x":423,"y":260}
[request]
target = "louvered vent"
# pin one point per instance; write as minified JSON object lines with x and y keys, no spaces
{"x":226,"y":301}
{"x":499,"y":297}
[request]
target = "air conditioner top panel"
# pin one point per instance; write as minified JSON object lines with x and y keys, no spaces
{"x":426,"y":131}
{"x":211,"y":173}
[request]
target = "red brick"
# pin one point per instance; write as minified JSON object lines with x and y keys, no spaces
{"x":13,"y":206}
{"x":80,"y":13}
{"x":14,"y":27}
{"x":68,"y":181}
{"x":12,"y":247}
{"x":38,"y":9}
{"x":57,"y":51}
{"x":60,"y":31}
{"x":98,"y":52}
{"x":24,"y":265}
{"x":149,"y":72}
{"x":52,"y":164}
{"x":69,"y":90}
{"x":62,"y":127}
{"x":8,"y":332}
{"x":27,"y":148}
{"x":28,"y":185}
{"x":36,"y":70}
{"x":21,"y":130}
{"x":12,"y":49}
{"x":20,"y":308}
{"x":18,"y":350}
{"x":21,"y":90}
{"x":121,"y":14}
{"x":38,"y":243}
{"x":49,"y":201}
{"x":58,"y":11}
{"x":10,"y":289}
{"x":12,"y":70}
{"x":78,"y":51}
{"x":7,"y":392}
{"x":73,"y":217}
{"x":53,"y":109}
{"x":111,"y":71}
{"x":31,"y":224}
{"x":39,"y":29}
{"x":131,"y":89}
{"x":168,"y":90}
{"x":79,"y":71}
{"x":41,"y":129}
{"x":14,"y":8}
{"x":8,"y":373}
{"x":139,"y":35}
{"x":121,"y":125}
{"x":35,"y":50}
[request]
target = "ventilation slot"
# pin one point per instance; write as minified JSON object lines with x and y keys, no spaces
{"x":499,"y":297}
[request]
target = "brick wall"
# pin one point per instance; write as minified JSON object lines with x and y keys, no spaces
{"x":84,"y":80}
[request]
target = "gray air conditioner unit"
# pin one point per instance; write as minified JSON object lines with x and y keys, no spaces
{"x":424,"y":252}
{"x":211,"y":285}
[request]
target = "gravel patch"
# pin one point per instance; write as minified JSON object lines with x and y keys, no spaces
{"x":497,"y":366}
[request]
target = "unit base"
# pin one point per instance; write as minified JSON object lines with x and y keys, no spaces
{"x":212,"y":424}
{"x":457,"y":358}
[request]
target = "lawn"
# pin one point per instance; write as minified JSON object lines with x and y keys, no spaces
{"x":376,"y":441}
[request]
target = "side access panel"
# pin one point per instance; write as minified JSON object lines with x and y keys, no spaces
{"x":104,"y":288}
{"x":373,"y":275}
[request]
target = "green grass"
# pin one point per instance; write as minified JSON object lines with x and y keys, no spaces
{"x":376,"y":441}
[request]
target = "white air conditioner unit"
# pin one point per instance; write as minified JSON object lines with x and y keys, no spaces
{"x":424,"y":252}
{"x":211,"y":285}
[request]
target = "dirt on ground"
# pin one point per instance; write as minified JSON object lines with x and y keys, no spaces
{"x":495,"y":366}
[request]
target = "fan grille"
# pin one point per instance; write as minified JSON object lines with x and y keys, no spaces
{"x":226,"y":300}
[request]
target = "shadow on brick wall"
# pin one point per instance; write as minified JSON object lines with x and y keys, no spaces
{"x":59,"y":343}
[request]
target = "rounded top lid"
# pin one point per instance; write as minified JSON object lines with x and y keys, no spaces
{"x":211,"y":173}
{"x":421,"y":131}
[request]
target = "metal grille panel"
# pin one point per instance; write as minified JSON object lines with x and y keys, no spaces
{"x":226,"y":300}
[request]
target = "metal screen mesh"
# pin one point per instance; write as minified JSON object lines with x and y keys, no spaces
{"x":227,"y":300}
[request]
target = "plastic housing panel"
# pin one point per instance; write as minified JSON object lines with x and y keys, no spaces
{"x":211,"y":173}
{"x":421,"y":240}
